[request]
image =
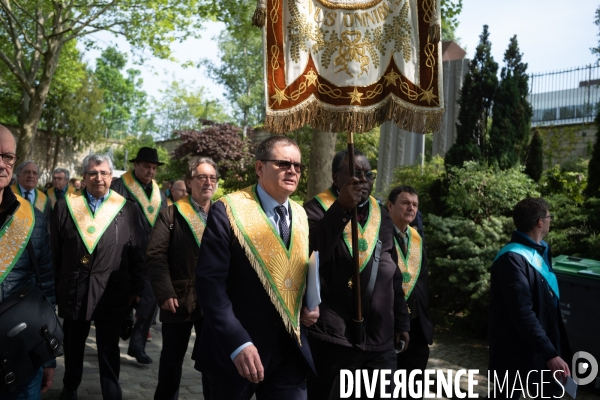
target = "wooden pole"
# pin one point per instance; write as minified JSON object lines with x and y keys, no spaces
{"x":358,"y":318}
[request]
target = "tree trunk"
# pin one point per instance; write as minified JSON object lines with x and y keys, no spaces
{"x":322,"y":150}
{"x":56,"y":151}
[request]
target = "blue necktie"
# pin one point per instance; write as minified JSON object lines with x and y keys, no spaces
{"x":284,"y":230}
{"x":27,"y":196}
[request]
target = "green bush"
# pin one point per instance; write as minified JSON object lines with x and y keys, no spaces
{"x":568,"y":179}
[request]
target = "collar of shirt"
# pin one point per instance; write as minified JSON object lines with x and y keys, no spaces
{"x":268,"y":205}
{"x":93,"y":202}
{"x":23,"y":190}
{"x":199,"y":209}
{"x":542,"y":243}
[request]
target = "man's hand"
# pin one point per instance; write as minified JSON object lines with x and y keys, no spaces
{"x":350,"y":194}
{"x":248,"y":364}
{"x":170,"y":304}
{"x":558,"y":364}
{"x":398,"y":336}
{"x":309,"y":317}
{"x":47,"y":379}
{"x":134,"y":298}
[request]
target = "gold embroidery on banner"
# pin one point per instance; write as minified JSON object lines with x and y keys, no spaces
{"x":195,"y":222}
{"x":90,"y":226}
{"x":281,"y":271}
{"x":349,"y":5}
{"x":410,"y":266}
{"x":15,"y":235}
{"x":150,"y":207}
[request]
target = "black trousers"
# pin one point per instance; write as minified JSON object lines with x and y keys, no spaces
{"x":145,"y":314}
{"x":417,"y":354}
{"x":330,"y":358}
{"x":176,"y":336}
{"x":109,"y":357}
{"x":285,"y":377}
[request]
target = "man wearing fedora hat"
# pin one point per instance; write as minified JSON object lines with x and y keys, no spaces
{"x":139,"y":186}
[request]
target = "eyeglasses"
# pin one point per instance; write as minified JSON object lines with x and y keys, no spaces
{"x":58,"y":178}
{"x":368,"y":174}
{"x":551,"y":216}
{"x":94,"y":174}
{"x":203,"y":178}
{"x":9,"y":158}
{"x":286,"y":165}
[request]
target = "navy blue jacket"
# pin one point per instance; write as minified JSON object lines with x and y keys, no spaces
{"x":236,"y":307}
{"x":526,"y":328}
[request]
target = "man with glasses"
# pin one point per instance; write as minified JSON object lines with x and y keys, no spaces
{"x":60,"y":187}
{"x":99,"y":268}
{"x":178,"y":191}
{"x":27,"y":180}
{"x":23,"y":235}
{"x":386,"y":321}
{"x":250,"y":279}
{"x":526,"y":328}
{"x":138,"y":186}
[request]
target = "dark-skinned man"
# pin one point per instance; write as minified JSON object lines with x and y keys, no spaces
{"x":139,"y":186}
{"x":403,"y":206}
{"x":386,"y":321}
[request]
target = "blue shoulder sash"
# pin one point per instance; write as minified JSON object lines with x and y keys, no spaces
{"x":535,"y":260}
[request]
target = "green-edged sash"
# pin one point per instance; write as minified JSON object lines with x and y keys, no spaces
{"x":150,"y":206}
{"x":282,"y":271}
{"x":40,"y":198}
{"x":52,"y":195}
{"x":193,"y":218}
{"x":14,"y":236}
{"x":91,"y":226}
{"x":410,"y":266}
{"x":367,"y":235}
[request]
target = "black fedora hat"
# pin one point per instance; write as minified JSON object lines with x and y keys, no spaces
{"x":147,"y":154}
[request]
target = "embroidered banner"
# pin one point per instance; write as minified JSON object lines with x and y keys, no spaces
{"x":410,"y":266}
{"x":282,"y":271}
{"x":194,"y":220}
{"x":367,"y":235}
{"x":14,"y":236}
{"x":350,"y":65}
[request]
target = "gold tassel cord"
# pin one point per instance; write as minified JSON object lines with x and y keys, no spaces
{"x":260,"y":14}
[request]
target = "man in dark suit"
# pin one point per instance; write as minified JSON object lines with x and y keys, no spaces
{"x":526,"y":328}
{"x":99,"y":271}
{"x":386,"y":323}
{"x":403,"y":205}
{"x":250,"y":279}
{"x":138,"y":186}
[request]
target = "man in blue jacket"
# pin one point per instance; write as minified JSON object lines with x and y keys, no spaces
{"x":16,"y":268}
{"x":526,"y":328}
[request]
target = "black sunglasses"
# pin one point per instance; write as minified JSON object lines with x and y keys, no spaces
{"x":286,"y":165}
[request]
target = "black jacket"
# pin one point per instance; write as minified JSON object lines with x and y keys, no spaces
{"x":100,"y":287}
{"x":526,"y":328}
{"x":388,"y":313}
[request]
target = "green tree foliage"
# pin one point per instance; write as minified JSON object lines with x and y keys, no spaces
{"x":534,"y":165}
{"x":450,"y":11}
{"x":367,"y":142}
{"x":593,"y":186}
{"x":512,"y":112}
{"x":241,"y":67}
{"x":123,"y":98}
{"x":182,"y":106}
{"x":35,"y":32}
{"x":568,"y":180}
{"x":476,"y":100}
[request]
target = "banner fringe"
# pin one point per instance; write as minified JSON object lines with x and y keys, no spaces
{"x":356,"y":120}
{"x":260,"y":14}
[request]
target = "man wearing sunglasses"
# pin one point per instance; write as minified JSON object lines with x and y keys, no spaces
{"x":250,"y":280}
{"x":526,"y":328}
{"x":386,"y":321}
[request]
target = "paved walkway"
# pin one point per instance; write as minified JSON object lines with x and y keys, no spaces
{"x":139,"y":381}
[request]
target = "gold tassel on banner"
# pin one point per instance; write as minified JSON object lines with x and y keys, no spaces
{"x":434,"y":29}
{"x":260,"y":14}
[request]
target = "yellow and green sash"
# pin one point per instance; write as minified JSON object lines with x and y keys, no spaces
{"x":91,"y":226}
{"x":367,"y":235}
{"x":150,"y":206}
{"x":194,"y":220}
{"x":14,"y":236}
{"x":282,"y":271}
{"x":169,"y":202}
{"x":410,"y":266}
{"x":52,"y":195}
{"x":39,"y":201}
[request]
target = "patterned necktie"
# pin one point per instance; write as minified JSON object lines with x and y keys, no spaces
{"x":402,"y":242}
{"x":284,"y":230}
{"x":26,"y":195}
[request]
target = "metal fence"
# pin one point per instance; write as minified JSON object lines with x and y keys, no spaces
{"x":565,"y":97}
